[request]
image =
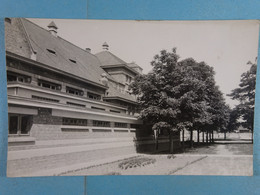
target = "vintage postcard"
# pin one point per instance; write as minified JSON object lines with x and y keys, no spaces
{"x":104,"y":97}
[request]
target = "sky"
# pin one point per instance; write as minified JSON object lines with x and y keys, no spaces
{"x":227,"y":46}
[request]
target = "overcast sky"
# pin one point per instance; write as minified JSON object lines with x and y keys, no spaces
{"x":225,"y":45}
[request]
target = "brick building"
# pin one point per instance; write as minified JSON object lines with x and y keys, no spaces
{"x":57,"y":90}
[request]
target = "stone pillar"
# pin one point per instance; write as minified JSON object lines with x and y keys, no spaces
{"x":63,"y":87}
{"x":90,"y":125}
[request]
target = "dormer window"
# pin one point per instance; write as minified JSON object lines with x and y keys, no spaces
{"x":51,"y":51}
{"x":73,"y":61}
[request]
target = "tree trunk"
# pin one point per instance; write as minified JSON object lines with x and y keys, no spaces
{"x":203,"y":136}
{"x":252,"y":129}
{"x":212,"y":136}
{"x":191,"y":139}
{"x":183,"y":140}
{"x":156,"y":144}
{"x":207,"y":136}
{"x":225,"y":135}
{"x":171,"y":143}
{"x":252,"y":137}
{"x":198,"y":137}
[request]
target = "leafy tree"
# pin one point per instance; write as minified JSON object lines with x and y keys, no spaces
{"x":245,"y":94}
{"x":178,"y":94}
{"x":233,"y":120}
{"x":159,"y":105}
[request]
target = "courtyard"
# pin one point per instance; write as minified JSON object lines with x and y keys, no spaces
{"x":231,"y":157}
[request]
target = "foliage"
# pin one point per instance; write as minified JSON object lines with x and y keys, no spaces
{"x":245,"y":94}
{"x":180,"y":95}
{"x":233,"y":117}
{"x":136,"y":162}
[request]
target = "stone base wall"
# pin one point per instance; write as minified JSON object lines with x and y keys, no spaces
{"x":55,"y":132}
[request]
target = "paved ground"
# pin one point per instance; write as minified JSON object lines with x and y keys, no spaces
{"x":217,"y":159}
{"x":221,"y":159}
{"x":89,"y":157}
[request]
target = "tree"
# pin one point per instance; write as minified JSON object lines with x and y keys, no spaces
{"x":157,"y":100}
{"x":176,"y":94}
{"x":245,"y":94}
{"x":233,"y":119}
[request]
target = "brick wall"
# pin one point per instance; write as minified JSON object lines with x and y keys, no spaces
{"x":45,"y":117}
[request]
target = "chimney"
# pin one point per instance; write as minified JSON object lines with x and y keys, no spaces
{"x":53,"y":28}
{"x":105,"y":46}
{"x":88,"y":50}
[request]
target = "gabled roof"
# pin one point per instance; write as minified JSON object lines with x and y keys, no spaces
{"x":63,"y":53}
{"x":134,"y":65}
{"x":15,"y":39}
{"x":24,"y":38}
{"x":107,"y":58}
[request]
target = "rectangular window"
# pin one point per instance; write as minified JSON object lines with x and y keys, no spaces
{"x":115,"y":111}
{"x":122,"y":125}
{"x":13,"y":125}
{"x":94,"y":96}
{"x":74,"y":121}
{"x":25,"y":124}
{"x":12,"y":77}
{"x":74,"y":91}
{"x":96,"y":108}
{"x":44,"y":99}
{"x":75,"y":104}
{"x":101,"y":123}
{"x":49,"y":85}
{"x":19,"y":124}
{"x":128,"y":79}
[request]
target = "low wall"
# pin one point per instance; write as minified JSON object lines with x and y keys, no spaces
{"x":43,"y":132}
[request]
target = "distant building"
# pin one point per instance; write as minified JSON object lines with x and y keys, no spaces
{"x":241,"y":129}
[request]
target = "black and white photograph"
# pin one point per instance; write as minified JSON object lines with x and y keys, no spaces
{"x":125,"y":97}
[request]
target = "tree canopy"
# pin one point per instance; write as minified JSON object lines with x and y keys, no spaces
{"x":180,"y":94}
{"x":245,"y":94}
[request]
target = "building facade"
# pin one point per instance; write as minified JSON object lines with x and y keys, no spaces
{"x":57,"y":90}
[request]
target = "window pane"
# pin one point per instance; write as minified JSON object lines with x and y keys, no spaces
{"x":25,"y":125}
{"x":13,"y":124}
{"x":11,"y":78}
